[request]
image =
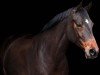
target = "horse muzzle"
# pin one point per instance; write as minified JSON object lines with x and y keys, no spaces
{"x":92,"y":53}
{"x":91,"y":48}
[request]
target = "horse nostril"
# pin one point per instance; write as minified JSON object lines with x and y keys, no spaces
{"x":93,"y":53}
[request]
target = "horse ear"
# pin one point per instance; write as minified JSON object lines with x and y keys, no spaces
{"x":88,"y":6}
{"x":79,"y":6}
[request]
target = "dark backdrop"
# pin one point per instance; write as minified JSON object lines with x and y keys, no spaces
{"x":22,"y":17}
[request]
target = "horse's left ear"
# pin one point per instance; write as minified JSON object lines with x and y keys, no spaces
{"x":88,"y":6}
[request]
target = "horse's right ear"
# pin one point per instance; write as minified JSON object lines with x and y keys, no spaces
{"x":78,"y":7}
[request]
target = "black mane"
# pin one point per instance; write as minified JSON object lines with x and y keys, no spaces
{"x":58,"y":18}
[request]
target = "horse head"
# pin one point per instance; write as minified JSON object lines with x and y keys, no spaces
{"x":80,"y":28}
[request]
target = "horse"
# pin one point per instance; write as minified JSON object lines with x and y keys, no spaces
{"x":45,"y":53}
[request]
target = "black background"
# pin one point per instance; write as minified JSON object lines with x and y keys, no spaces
{"x":25,"y":17}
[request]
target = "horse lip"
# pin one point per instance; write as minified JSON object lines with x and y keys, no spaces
{"x":89,"y":57}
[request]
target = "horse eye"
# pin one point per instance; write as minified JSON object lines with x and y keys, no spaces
{"x":79,"y":25}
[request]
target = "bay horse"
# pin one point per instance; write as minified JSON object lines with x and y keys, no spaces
{"x":45,"y":53}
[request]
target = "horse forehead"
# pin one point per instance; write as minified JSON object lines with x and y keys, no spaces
{"x":84,"y":16}
{"x":85,"y":19}
{"x":83,"y":13}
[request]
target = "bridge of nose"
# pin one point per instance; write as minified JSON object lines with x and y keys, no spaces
{"x":94,"y":44}
{"x":91,"y":43}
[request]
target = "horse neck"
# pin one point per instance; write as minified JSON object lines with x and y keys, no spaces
{"x":61,"y":35}
{"x":56,"y":39}
{"x":52,"y":46}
